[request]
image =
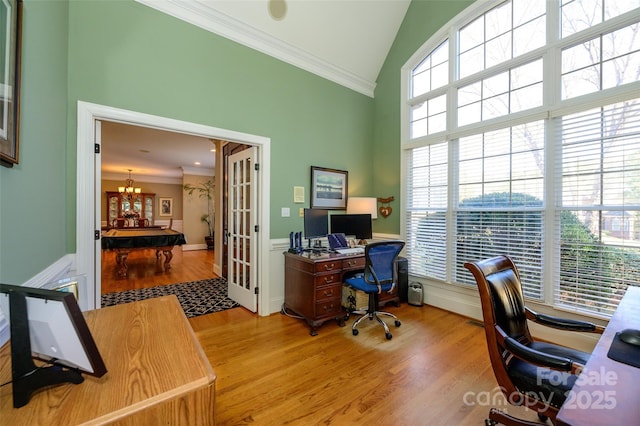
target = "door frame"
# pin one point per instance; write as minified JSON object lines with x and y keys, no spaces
{"x":242,"y":232}
{"x":87,"y":186}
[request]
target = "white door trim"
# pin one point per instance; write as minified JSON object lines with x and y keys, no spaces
{"x":87,"y":188}
{"x":242,"y":191}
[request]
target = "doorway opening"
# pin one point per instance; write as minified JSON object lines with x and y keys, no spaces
{"x":88,"y":207}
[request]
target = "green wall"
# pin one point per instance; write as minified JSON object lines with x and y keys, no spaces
{"x":423,"y":19}
{"x":34,"y":213}
{"x":126,"y":55}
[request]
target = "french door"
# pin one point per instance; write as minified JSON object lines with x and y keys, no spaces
{"x":242,"y":228}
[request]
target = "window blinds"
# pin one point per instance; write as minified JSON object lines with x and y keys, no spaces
{"x":598,"y":220}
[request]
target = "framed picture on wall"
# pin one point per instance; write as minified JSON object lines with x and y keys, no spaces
{"x":328,"y":188}
{"x":10,"y":38}
{"x":166,"y":206}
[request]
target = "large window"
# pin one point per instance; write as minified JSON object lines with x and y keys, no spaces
{"x":524,"y":139}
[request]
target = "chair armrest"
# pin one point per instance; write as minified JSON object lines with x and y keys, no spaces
{"x":536,"y":357}
{"x":563,"y":323}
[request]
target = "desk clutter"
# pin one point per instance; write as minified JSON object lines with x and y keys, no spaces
{"x":315,"y":290}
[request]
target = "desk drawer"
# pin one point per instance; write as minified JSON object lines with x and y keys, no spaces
{"x":329,"y":292}
{"x":329,"y":266}
{"x":326,"y":279}
{"x":329,"y":307}
{"x":353,"y":263}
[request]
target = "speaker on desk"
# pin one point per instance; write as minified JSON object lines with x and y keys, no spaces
{"x":403,"y":278}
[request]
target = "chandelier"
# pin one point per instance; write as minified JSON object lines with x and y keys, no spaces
{"x":129,"y":192}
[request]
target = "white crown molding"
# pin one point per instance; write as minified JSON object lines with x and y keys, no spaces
{"x":201,"y":15}
{"x":198,"y":171}
{"x":142,"y":178}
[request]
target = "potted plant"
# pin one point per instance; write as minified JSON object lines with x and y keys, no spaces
{"x":205,"y":191}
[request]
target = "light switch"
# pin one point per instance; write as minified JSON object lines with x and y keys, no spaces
{"x":285,"y":212}
{"x":301,"y":213}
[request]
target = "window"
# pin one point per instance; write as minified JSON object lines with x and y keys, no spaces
{"x":600,"y":168}
{"x":603,"y":62}
{"x":428,"y":115}
{"x":528,"y":144}
{"x":504,"y":32}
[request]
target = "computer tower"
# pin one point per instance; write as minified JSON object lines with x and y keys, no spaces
{"x":403,"y":278}
{"x":415,"y":294}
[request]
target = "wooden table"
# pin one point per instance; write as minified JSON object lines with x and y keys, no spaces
{"x":608,"y":392}
{"x":157,"y":374}
{"x":313,"y":286}
{"x":124,"y":240}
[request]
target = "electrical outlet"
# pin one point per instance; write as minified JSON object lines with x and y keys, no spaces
{"x":301,"y":212}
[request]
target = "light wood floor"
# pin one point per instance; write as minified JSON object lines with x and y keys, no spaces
{"x":435,"y":370}
{"x":269,"y":370}
{"x":145,"y":270}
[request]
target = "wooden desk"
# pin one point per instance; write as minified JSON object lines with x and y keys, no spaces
{"x":313,"y":286}
{"x":124,"y":240}
{"x":157,"y":374}
{"x":608,"y":395}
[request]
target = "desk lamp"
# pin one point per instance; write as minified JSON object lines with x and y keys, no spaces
{"x":363,"y":205}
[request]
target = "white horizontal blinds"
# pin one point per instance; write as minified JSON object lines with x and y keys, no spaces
{"x":427,"y":190}
{"x":599,"y":217}
{"x":501,"y":201}
{"x":514,"y":62}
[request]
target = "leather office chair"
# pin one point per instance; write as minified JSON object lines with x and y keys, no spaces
{"x":529,"y":373}
{"x":380,"y":274}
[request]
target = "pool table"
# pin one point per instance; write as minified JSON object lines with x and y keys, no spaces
{"x":124,"y":240}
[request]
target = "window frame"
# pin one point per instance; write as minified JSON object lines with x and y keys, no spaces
{"x":553,"y":106}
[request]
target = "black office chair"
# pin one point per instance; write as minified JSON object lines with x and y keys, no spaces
{"x":524,"y":368}
{"x":380,"y":274}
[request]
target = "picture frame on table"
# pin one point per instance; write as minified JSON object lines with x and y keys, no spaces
{"x":329,"y":188}
{"x":11,"y":37}
{"x":166,"y":206}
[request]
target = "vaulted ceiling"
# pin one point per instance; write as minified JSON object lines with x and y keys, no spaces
{"x":345,"y":41}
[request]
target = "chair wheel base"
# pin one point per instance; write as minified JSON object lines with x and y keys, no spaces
{"x":355,"y":332}
{"x":500,"y":417}
{"x":398,"y":323}
{"x":388,"y":336}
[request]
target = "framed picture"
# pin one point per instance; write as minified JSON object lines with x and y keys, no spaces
{"x":328,"y":188}
{"x":10,"y":37}
{"x":166,"y":207}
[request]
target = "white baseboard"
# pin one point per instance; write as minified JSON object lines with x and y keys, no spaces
{"x":466,"y":302}
{"x":191,"y":247}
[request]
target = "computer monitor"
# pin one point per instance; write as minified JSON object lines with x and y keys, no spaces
{"x":357,"y":225}
{"x":316,"y":224}
{"x":48,"y":325}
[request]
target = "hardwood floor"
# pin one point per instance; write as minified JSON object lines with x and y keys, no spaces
{"x":269,"y":370}
{"x":145,"y":270}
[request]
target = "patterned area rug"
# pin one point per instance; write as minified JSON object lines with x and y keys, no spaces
{"x":196,"y":297}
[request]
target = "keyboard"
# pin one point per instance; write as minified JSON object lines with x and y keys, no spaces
{"x":355,"y":250}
